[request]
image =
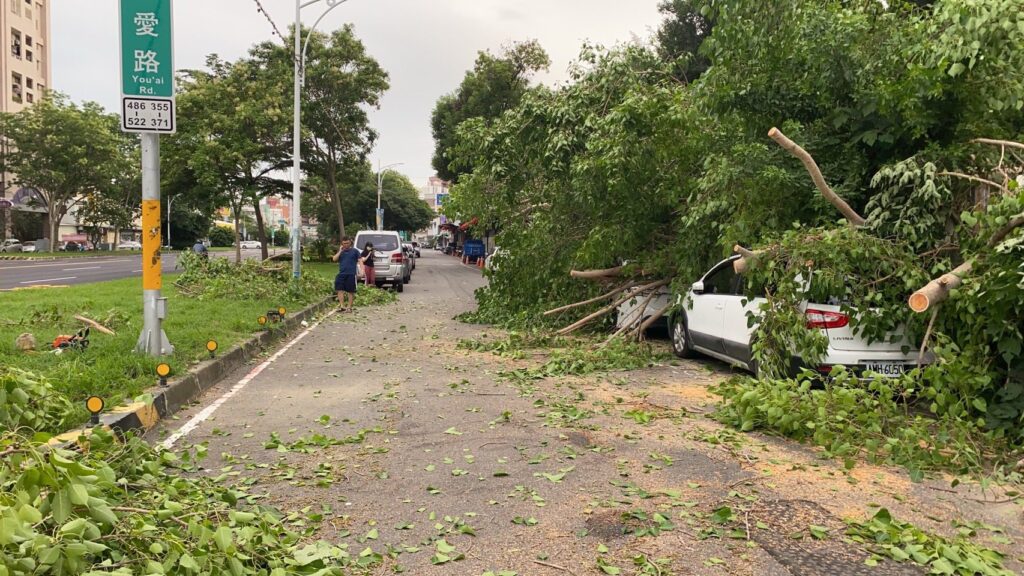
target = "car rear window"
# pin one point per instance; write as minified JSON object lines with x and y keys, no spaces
{"x":384,"y":242}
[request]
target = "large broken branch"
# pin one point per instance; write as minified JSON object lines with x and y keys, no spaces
{"x":812,"y":167}
{"x":603,"y":311}
{"x":651,"y":320}
{"x":96,"y":325}
{"x":984,"y":181}
{"x":597,"y":274}
{"x":618,"y":290}
{"x":938,"y":290}
{"x":1008,"y":143}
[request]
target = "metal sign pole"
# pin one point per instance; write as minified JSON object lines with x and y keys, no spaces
{"x":148,"y":107}
{"x":152,"y":341}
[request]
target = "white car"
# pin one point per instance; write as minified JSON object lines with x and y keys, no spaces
{"x":11,"y":245}
{"x":250,"y":244}
{"x":28,"y":247}
{"x":633,"y":310}
{"x":712,"y":320}
{"x":129,"y":245}
{"x":390,"y":263}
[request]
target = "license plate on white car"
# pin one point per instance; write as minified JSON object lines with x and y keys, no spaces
{"x":887,"y":369}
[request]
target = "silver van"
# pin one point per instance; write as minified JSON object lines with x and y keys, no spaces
{"x":390,"y":262}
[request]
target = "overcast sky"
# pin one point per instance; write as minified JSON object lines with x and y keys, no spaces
{"x":426,"y":47}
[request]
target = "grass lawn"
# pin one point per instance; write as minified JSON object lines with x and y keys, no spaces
{"x":109,"y":367}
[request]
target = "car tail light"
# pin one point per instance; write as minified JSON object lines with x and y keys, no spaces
{"x":397,"y":258}
{"x":825,"y":319}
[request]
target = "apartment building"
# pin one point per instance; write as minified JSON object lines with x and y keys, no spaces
{"x":25,"y":73}
{"x":434,"y":194}
{"x":25,"y":65}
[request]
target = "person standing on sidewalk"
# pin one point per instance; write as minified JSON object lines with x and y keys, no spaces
{"x":345,"y":282}
{"x":369,"y":274}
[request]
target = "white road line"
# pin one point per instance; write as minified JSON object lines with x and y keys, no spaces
{"x":82,"y":268}
{"x":48,"y":280}
{"x":209,"y":410}
{"x":2,"y":267}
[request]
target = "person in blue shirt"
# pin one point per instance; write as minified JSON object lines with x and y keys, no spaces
{"x":345,"y":282}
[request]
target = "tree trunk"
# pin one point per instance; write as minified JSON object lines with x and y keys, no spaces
{"x":54,"y":228}
{"x":117,"y":238}
{"x":747,"y":257}
{"x":238,"y":239}
{"x":819,"y":180}
{"x":579,"y":324}
{"x":332,"y":183}
{"x":261,"y":229}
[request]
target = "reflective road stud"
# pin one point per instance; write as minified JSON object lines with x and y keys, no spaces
{"x":94,"y":404}
{"x":262,"y":320}
{"x":211,"y":347}
{"x":163,"y":370}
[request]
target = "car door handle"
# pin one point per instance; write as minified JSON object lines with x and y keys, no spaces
{"x":719,"y":306}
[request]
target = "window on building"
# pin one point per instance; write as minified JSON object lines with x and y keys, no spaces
{"x":16,"y":8}
{"x":29,"y":98}
{"x":28,"y":55}
{"x":16,"y":87}
{"x":28,"y":40}
{"x":29,"y":83}
{"x":16,"y":43}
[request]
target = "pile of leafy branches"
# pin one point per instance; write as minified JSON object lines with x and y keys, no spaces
{"x":901,"y":541}
{"x":879,"y":419}
{"x":248,"y":280}
{"x":373,"y":296}
{"x":31,"y":403}
{"x":124,"y":508}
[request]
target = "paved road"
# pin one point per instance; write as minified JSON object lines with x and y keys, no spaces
{"x":401,"y":439}
{"x":70,"y":271}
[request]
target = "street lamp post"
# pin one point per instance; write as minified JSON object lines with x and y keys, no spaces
{"x":300,"y":62}
{"x":380,"y":188}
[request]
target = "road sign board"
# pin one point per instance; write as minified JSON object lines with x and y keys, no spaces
{"x":147,"y":115}
{"x":147,"y":66}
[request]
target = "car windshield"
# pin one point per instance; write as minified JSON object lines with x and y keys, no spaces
{"x":383,"y":242}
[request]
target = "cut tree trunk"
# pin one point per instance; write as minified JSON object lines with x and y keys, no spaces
{"x":597,"y":274}
{"x":938,"y":290}
{"x":812,"y":167}
{"x":650,"y":321}
{"x":747,"y":258}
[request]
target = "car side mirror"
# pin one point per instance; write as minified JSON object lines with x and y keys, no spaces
{"x":697,"y":287}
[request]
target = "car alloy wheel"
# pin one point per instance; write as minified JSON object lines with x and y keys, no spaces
{"x":680,"y":338}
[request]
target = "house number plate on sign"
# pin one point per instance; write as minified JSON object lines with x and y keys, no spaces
{"x":147,"y":115}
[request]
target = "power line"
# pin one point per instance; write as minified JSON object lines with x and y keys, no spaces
{"x":277,"y":31}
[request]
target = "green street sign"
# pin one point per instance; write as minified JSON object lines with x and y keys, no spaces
{"x":147,"y":58}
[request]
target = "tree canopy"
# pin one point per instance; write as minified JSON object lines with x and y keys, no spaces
{"x":494,"y":85}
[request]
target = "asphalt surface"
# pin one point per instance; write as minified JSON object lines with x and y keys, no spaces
{"x":433,"y":456}
{"x":72,"y":271}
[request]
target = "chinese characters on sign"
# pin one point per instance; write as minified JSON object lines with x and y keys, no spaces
{"x":147,"y":66}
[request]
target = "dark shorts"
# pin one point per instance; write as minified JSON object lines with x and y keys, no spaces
{"x":345,"y":283}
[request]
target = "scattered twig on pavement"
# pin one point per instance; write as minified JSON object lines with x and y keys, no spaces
{"x":743,"y":480}
{"x":746,"y":523}
{"x":555,"y":566}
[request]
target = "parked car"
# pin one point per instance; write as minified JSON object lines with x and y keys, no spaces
{"x":410,"y":253}
{"x":11,"y":245}
{"x":30,"y":247}
{"x":712,"y":320}
{"x":250,"y":244}
{"x":129,"y":245}
{"x":633,"y":310}
{"x":390,"y":262}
